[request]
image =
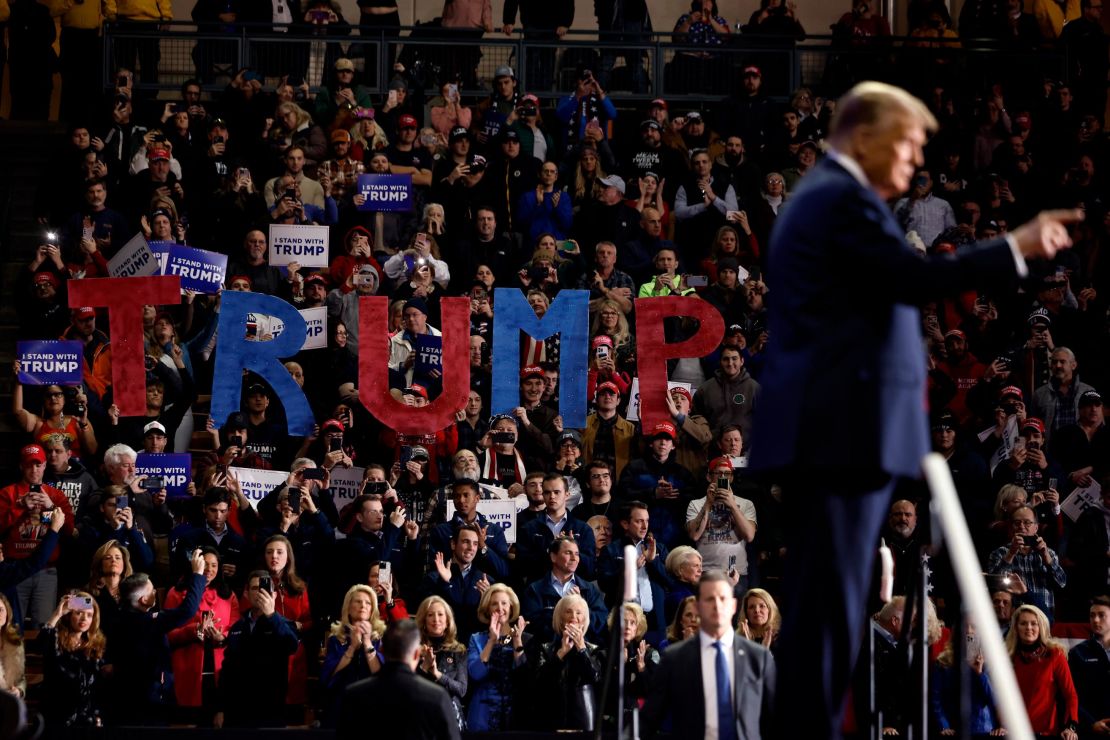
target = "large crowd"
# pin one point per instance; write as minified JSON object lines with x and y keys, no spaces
{"x":216,"y":607}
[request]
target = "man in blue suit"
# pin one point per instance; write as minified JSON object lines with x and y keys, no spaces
{"x":834,"y":349}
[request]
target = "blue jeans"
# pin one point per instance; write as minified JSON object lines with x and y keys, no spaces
{"x":38,"y":596}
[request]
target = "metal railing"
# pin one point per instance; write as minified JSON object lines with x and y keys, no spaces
{"x":547,"y":66}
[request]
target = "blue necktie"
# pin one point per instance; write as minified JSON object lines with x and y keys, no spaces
{"x":726,"y":720}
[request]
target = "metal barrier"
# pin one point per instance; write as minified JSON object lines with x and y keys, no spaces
{"x":651,"y":64}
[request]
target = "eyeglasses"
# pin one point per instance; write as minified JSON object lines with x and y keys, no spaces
{"x":1024,"y":523}
{"x":599,"y":476}
{"x":776,"y":181}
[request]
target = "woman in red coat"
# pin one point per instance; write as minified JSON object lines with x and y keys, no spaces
{"x":198,"y":645}
{"x":291,"y":602}
{"x":1041,"y":667}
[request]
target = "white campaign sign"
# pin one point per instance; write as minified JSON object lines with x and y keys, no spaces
{"x":634,"y":397}
{"x":1081,"y":499}
{"x":257,"y":483}
{"x":345,"y":484}
{"x":305,"y":245}
{"x":316,"y":326}
{"x":134,"y":259}
{"x":499,"y":512}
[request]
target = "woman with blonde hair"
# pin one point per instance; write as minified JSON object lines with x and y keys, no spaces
{"x":568,"y":669}
{"x":442,"y":655}
{"x":111,"y":563}
{"x":639,"y":659}
{"x":944,"y":689}
{"x":493,"y":658}
{"x":13,"y":678}
{"x":294,"y":127}
{"x":351,"y":653}
{"x":609,"y":319}
{"x":1043,"y":675}
{"x":760,"y":620}
{"x":72,"y":647}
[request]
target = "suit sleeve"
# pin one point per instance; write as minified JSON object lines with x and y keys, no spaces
{"x":659,"y":696}
{"x":766,"y":717}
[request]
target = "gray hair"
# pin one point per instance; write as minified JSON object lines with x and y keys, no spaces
{"x":131,"y":588}
{"x":119,"y":453}
{"x":302,"y":462}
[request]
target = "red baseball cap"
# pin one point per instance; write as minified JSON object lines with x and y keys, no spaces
{"x":158,"y":154}
{"x":46,"y":277}
{"x":407,"y":121}
{"x":416,"y":390}
{"x":664,"y":428}
{"x":955,"y":333}
{"x":611,"y":387}
{"x":85,"y":312}
{"x":531,"y":371}
{"x":335,"y":424}
{"x":32,"y":452}
{"x":1012,"y":390}
{"x":1033,"y":422}
{"x":682,"y":392}
{"x":720,"y":462}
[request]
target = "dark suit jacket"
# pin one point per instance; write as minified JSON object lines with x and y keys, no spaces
{"x":676,"y":689}
{"x":418,"y":708}
{"x":850,"y":351}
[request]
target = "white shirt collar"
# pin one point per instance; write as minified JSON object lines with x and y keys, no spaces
{"x":707,"y":641}
{"x":849,"y":164}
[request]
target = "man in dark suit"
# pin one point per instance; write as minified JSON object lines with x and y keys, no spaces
{"x":417,"y":708}
{"x":865,"y":351}
{"x":717,"y":684}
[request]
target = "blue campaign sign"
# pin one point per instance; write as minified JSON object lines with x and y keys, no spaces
{"x":49,"y":362}
{"x":174,"y":468}
{"x":429,"y":355}
{"x":386,"y":192}
{"x":199,"y":270}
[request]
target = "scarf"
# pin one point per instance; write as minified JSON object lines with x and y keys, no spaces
{"x":489,"y":467}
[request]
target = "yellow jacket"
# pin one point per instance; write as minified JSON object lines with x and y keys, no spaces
{"x":1050,"y":18}
{"x":145,"y":10}
{"x":88,"y":15}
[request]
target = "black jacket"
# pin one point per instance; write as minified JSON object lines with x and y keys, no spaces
{"x":417,"y":708}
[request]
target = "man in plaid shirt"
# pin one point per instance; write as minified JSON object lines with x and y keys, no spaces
{"x":341,"y":169}
{"x":1030,"y":557}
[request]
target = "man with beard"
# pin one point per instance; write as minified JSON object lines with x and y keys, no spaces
{"x":1057,"y":401}
{"x":901,"y":536}
{"x":263,"y":277}
{"x":733,"y":166}
{"x":653,"y":156}
{"x":96,"y":228}
{"x":964,"y":370}
{"x":406,"y":156}
{"x":636,"y":256}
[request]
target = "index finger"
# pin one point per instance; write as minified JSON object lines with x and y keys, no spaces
{"x":1065,"y":215}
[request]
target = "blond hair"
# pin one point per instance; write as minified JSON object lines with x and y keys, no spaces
{"x":878,"y":104}
{"x":341,"y":630}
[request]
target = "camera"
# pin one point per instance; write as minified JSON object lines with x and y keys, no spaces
{"x":376,"y":487}
{"x":503,"y":438}
{"x":528,"y":110}
{"x":153,"y":483}
{"x":1010,"y":408}
{"x":1030,"y":540}
{"x":537,"y":273}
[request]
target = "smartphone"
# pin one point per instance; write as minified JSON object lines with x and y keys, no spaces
{"x":502,"y":438}
{"x":121,"y":81}
{"x":265,"y":583}
{"x":697,"y":281}
{"x":974,"y":648}
{"x":335,"y":444}
{"x":76,"y":603}
{"x":153,"y":483}
{"x":731,"y":564}
{"x":1029,"y":539}
{"x":313,"y":474}
{"x":291,"y":194}
{"x":52,"y":238}
{"x":997,"y":582}
{"x":385,"y":571}
{"x":245,"y":173}
{"x":567,"y":245}
{"x":1052,"y":483}
{"x":452,"y":92}
{"x":723,"y":484}
{"x":421,"y":239}
{"x":392,"y":97}
{"x":46,"y":516}
{"x":295,"y":500}
{"x":123,"y":502}
{"x":376,"y":487}
{"x":603,"y":352}
{"x":754,"y":273}
{"x":406,"y":454}
{"x":319,"y":16}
